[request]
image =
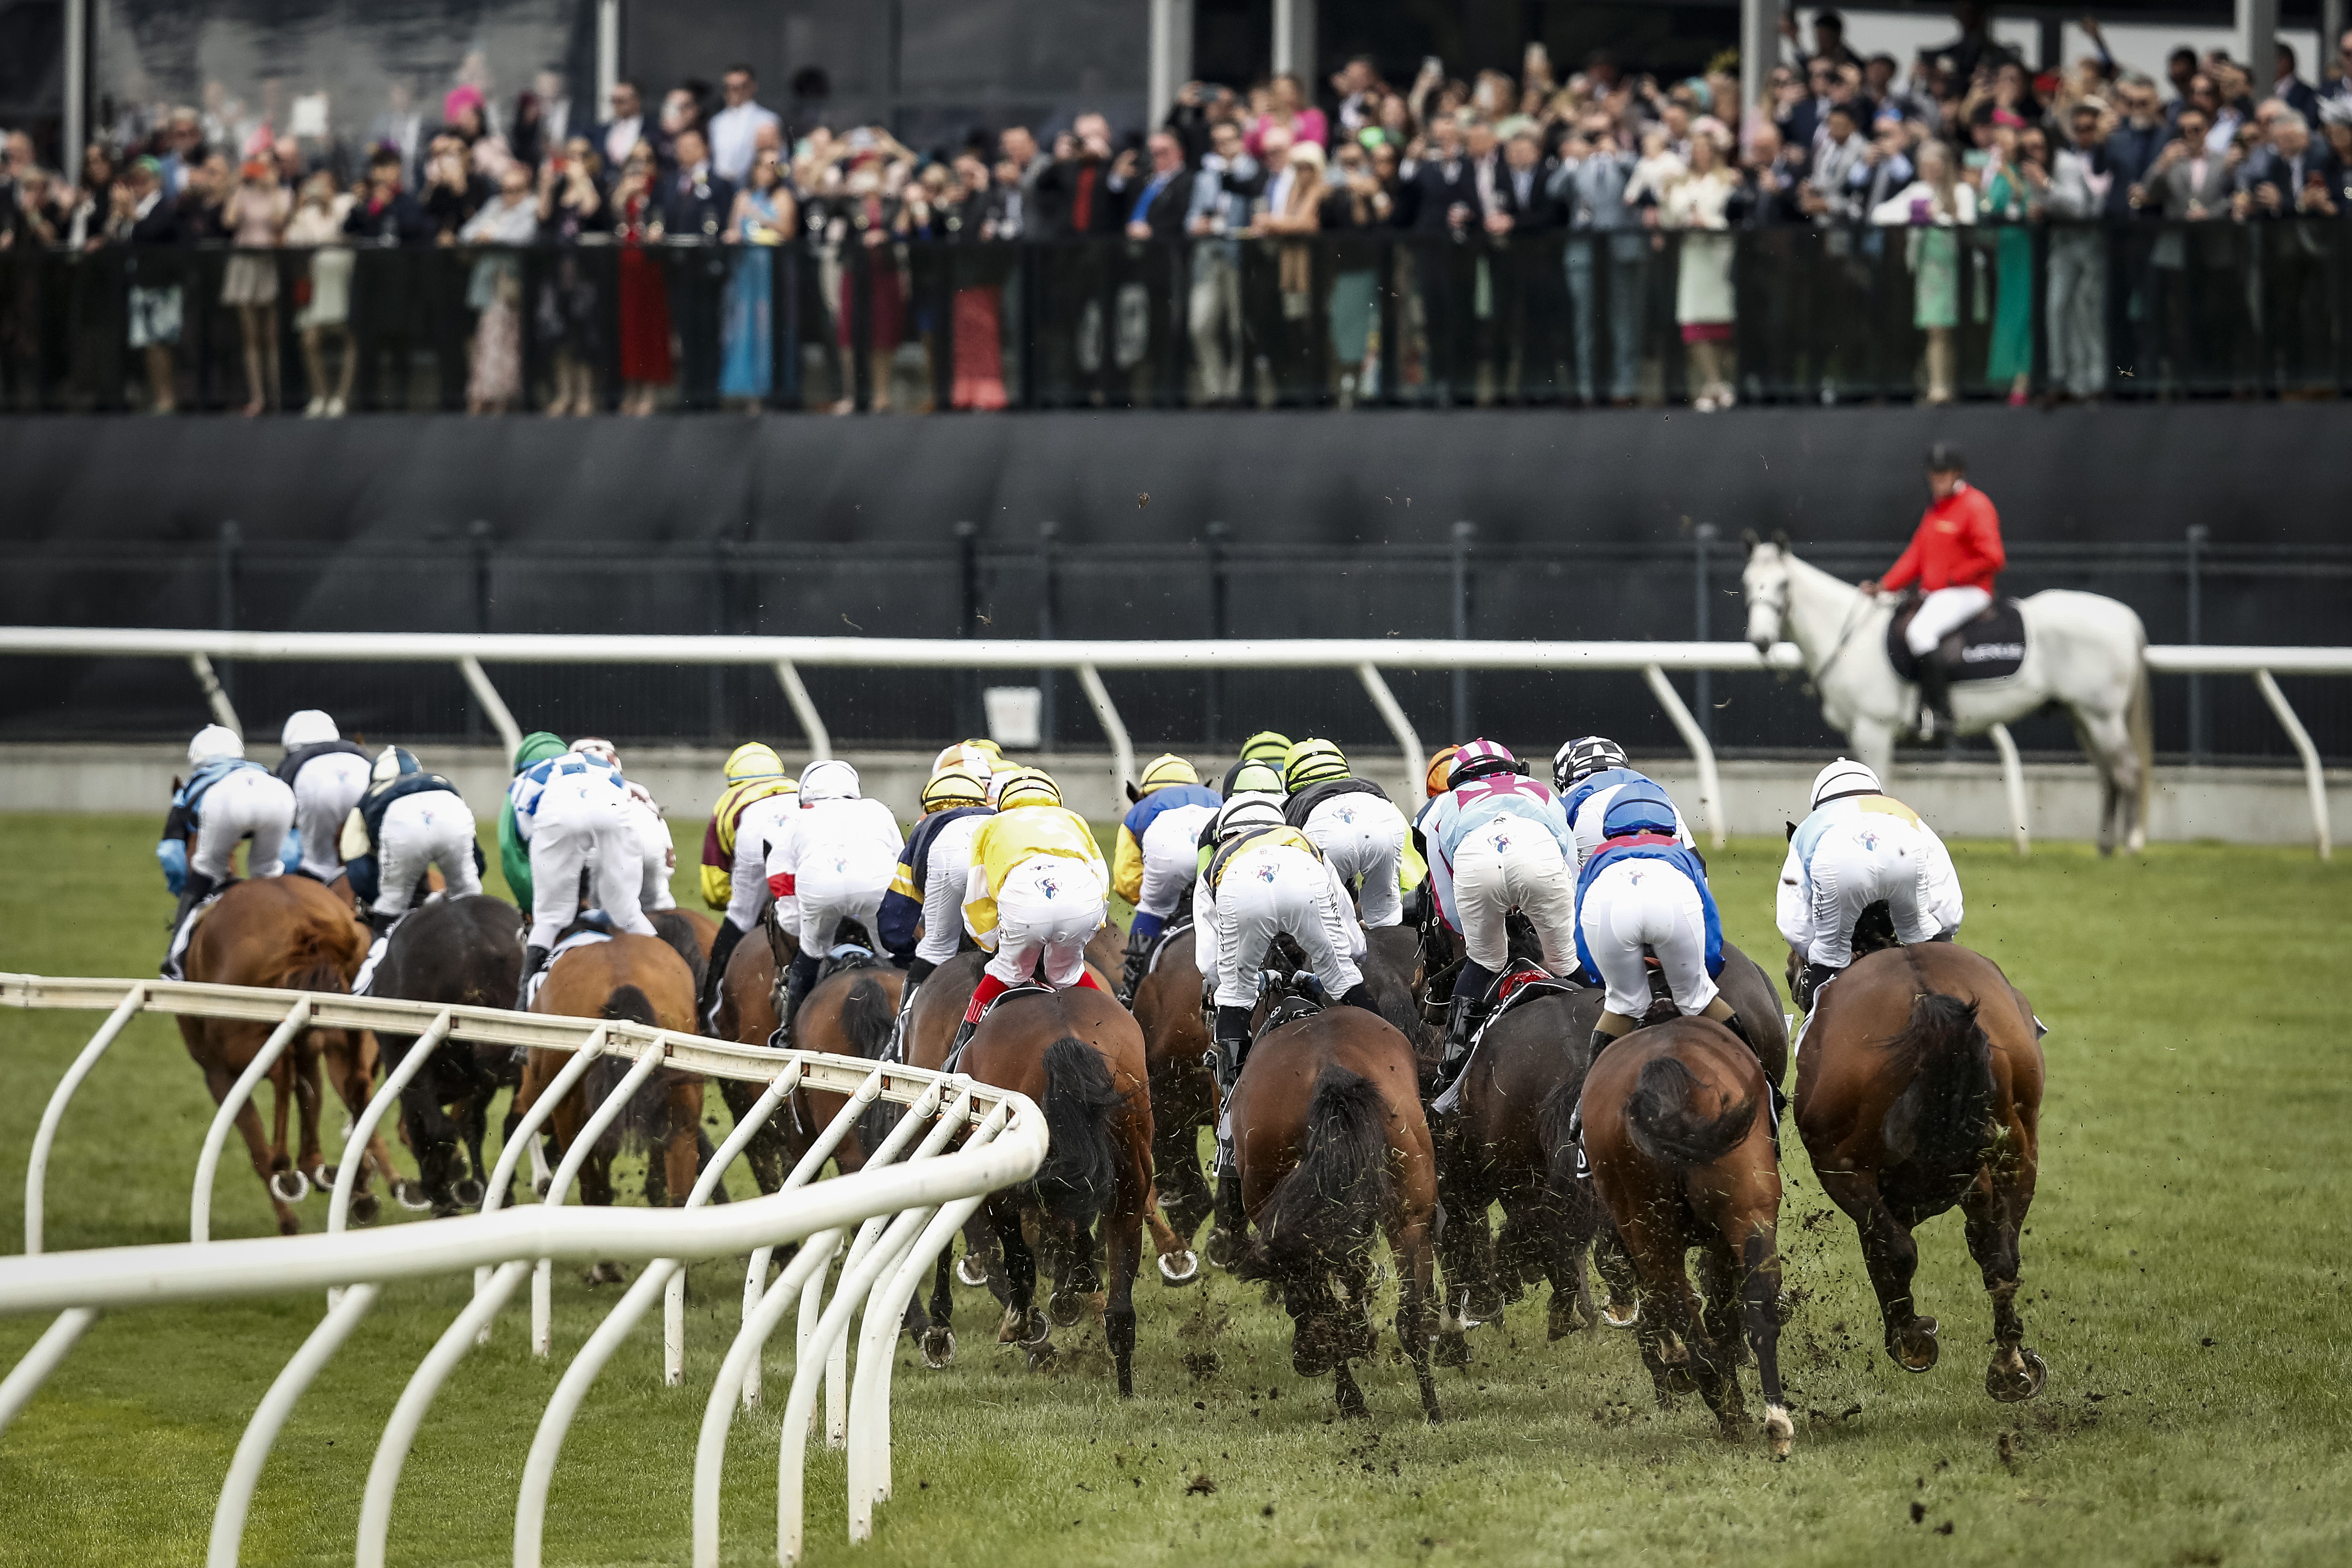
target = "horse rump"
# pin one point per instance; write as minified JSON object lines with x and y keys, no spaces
{"x":866,"y":1018}
{"x":1940,"y":1120}
{"x":1329,"y":1207}
{"x":1081,"y":1175}
{"x":1665,"y":1126}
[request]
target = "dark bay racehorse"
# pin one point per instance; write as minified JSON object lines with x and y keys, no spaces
{"x":747,"y":1015}
{"x":1678,"y":1132}
{"x":1920,"y":1086}
{"x":289,"y":934}
{"x":1333,"y":1151}
{"x":1183,"y":1093}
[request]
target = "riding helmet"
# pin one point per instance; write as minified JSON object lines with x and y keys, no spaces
{"x":754,"y":760}
{"x":1842,"y":778}
{"x":1311,"y":763}
{"x":1583,"y":757}
{"x":1257,"y":778}
{"x":1639,"y":807}
{"x":537,"y":747}
{"x":952,"y":787}
{"x":1479,"y":760}
{"x":828,"y":778}
{"x":1027,"y":786}
{"x":591,"y":746}
{"x":308,"y":727}
{"x":1945,"y":458}
{"x":979,"y":758}
{"x":1164,"y":770}
{"x":392,"y":763}
{"x":1440,"y":764}
{"x":212,"y":743}
{"x":1265,"y":746}
{"x":1247,"y":811}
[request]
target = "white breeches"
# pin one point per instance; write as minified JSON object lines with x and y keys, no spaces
{"x":650,"y":835}
{"x":247,"y":801}
{"x":1047,"y":907}
{"x":1941,"y":614}
{"x":1853,"y":866}
{"x":420,"y":831}
{"x":1171,"y":858}
{"x":1363,"y":836}
{"x":574,"y":828}
{"x":324,"y":793}
{"x":834,"y":889}
{"x":1515,"y":865}
{"x":1274,"y":892}
{"x":1647,"y":903}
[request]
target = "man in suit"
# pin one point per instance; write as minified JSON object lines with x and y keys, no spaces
{"x":694,"y":205}
{"x":2291,"y":89}
{"x":384,"y":290}
{"x":1155,"y":203}
{"x":1525,"y":220}
{"x":1439,"y":204}
{"x":2077,"y":277}
{"x":2293,"y":178}
{"x":1228,"y":181}
{"x":2196,"y":274}
{"x":624,"y":129}
{"x":1606,"y":254}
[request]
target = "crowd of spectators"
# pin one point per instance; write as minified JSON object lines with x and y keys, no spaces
{"x":1963,"y":148}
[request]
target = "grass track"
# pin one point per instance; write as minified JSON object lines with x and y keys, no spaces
{"x":2184,"y":1275}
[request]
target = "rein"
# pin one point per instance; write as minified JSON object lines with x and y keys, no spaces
{"x":1853,"y":623}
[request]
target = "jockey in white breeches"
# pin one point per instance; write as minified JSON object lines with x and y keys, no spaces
{"x":1860,"y":847}
{"x":227,"y":799}
{"x":833,"y":864}
{"x":328,"y":774}
{"x":573,"y":810}
{"x":1362,"y":835}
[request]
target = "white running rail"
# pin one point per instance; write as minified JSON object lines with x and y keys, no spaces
{"x":1363,"y":657}
{"x":904,"y":1206}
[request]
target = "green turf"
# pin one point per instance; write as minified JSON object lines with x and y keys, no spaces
{"x":2183,"y":1275}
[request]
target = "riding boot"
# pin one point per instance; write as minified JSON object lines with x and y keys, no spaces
{"x":797,"y":981}
{"x":1816,"y":976}
{"x":714,"y":972}
{"x":1935,"y":697}
{"x":1130,"y":975}
{"x":1360,"y":995}
{"x":193,"y":890}
{"x":1601,"y":1040}
{"x":1229,"y":1048}
{"x":534,"y":959}
{"x":954,"y":1064}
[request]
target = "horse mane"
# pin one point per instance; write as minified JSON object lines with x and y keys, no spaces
{"x":1941,"y":1119}
{"x":1663,"y":1126}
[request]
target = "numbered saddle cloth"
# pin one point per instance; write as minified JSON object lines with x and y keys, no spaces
{"x":1989,"y":646}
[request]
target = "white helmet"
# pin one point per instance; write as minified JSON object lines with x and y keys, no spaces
{"x":213,"y":742}
{"x":1253,"y":809}
{"x":590,"y":746}
{"x":308,"y":728}
{"x":1841,"y":778}
{"x":828,"y":779}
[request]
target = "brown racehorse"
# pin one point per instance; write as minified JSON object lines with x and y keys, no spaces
{"x":1333,"y":1149}
{"x":1183,"y":1092}
{"x":1920,"y":1086}
{"x":289,"y":934}
{"x":1079,"y":1054}
{"x":642,"y":980}
{"x":747,"y":1014}
{"x":1679,"y":1136}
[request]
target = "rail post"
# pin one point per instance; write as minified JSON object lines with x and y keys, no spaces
{"x":2314,"y":777}
{"x":583,"y":1144}
{"x":1710,"y":787}
{"x":37,"y":1168}
{"x":200,"y":1198}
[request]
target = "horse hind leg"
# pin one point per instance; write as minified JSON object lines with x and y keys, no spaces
{"x":1024,"y":1325}
{"x":938,"y":1338}
{"x":2016,"y":1372}
{"x":265,"y":1160}
{"x":1124,"y":1256}
{"x":1892,"y":1257}
{"x":1416,"y":1269}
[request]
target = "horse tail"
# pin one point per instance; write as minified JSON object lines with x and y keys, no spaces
{"x":1330,"y":1206}
{"x":866,"y":1018}
{"x":1663,"y":1126}
{"x":1938,"y":1121}
{"x":1081,"y":1169}
{"x":2141,"y":724}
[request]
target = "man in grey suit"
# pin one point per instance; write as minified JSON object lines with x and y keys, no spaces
{"x":1606,"y":255}
{"x":2196,"y":273}
{"x":2080,"y":176}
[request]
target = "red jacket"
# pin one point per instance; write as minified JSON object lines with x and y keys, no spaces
{"x":1958,"y":545}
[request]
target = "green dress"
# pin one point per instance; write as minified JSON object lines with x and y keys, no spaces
{"x":1936,"y":273}
{"x":2012,"y":313}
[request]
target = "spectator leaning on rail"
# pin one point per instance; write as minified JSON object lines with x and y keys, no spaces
{"x":227,"y":799}
{"x":752,"y":811}
{"x":1953,"y":557}
{"x":1154,"y":864}
{"x":1858,"y":847}
{"x":327,"y":774}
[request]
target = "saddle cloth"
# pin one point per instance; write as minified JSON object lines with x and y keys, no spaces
{"x":1991,"y":646}
{"x":577,"y":939}
{"x":1524,"y":981}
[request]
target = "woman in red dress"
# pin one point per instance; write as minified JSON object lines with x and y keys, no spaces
{"x":646,"y":366}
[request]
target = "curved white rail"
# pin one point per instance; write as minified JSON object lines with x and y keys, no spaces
{"x":200,"y":1196}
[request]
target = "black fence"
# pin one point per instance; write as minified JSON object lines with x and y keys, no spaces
{"x":2187,"y":591}
{"x":1362,"y":317}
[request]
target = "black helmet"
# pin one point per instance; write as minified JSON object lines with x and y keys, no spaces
{"x":1945,"y":458}
{"x":1583,"y":757}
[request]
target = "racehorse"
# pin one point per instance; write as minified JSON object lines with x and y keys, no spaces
{"x":1332,"y":1150}
{"x":1680,"y":1142}
{"x":1920,"y":1086}
{"x":1079,"y":1054}
{"x":464,"y":951}
{"x":747,"y":1014}
{"x":2083,"y":651}
{"x":288,"y":933}
{"x":1183,"y":1093}
{"x":641,"y":980}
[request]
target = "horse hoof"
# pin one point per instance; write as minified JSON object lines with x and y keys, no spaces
{"x":411,"y":1195}
{"x":1178,"y":1269}
{"x":1041,"y":1354}
{"x":323,"y":1177}
{"x":939,"y":1348}
{"x":1224,"y":1249}
{"x":289,"y":1187}
{"x":364,"y":1209}
{"x":467,"y":1192}
{"x":1916,"y":1348}
{"x":1779,"y":1432}
{"x":1308,"y":1359}
{"x":969,"y":1270}
{"x":2015,"y":1384}
{"x":1631,"y":1315}
{"x":1452,"y":1350}
{"x":1064,"y":1310}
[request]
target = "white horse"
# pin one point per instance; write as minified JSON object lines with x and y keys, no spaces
{"x":2083,"y":651}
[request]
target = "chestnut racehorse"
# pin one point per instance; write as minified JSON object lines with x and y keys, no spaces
{"x":1920,"y":1086}
{"x":1333,"y":1149}
{"x":1678,"y":1132}
{"x":288,"y":933}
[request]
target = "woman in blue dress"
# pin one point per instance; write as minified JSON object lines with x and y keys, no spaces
{"x":763,"y":220}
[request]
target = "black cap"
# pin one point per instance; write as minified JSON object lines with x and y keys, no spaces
{"x":1945,"y":458}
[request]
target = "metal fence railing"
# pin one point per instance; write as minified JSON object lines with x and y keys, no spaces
{"x":893,"y":1216}
{"x":1345,"y":318}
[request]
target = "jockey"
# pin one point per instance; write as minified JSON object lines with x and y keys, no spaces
{"x":1441,"y":762}
{"x":1953,"y":558}
{"x":570,"y":811}
{"x":1857,"y":847}
{"x":1496,"y":842}
{"x":1266,"y":747}
{"x":327,"y":774}
{"x":1361,"y":834}
{"x":1644,"y":893}
{"x":754,"y":809}
{"x":1035,"y":890}
{"x":1588,"y":772}
{"x":514,"y":854}
{"x":225,"y":799}
{"x":657,"y":855}
{"x":1265,"y":881}
{"x":406,"y":822}
{"x":980,"y":759}
{"x":1249,"y":780}
{"x":1155,"y":861}
{"x":927,"y":887}
{"x":834,"y":864}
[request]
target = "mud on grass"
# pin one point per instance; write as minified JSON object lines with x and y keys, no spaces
{"x":2182,"y":1275}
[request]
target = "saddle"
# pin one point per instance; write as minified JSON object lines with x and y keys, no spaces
{"x":1525,"y":981}
{"x":1182,"y":926}
{"x":1989,"y":646}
